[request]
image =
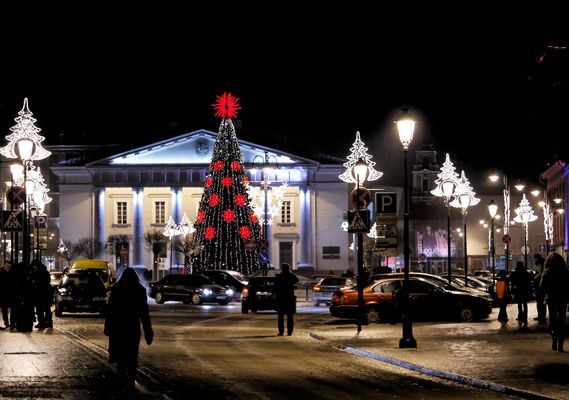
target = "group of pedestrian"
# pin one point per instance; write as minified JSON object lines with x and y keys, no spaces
{"x":551,"y":287}
{"x":26,"y":295}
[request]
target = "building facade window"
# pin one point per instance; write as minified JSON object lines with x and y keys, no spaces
{"x":160,"y":212}
{"x":121,"y":213}
{"x":286,"y":212}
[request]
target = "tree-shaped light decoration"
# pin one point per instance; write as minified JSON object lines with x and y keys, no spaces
{"x":274,"y":202}
{"x":26,"y":136}
{"x":226,"y":225}
{"x":547,"y":222}
{"x":359,"y":151}
{"x":186,"y":227}
{"x":524,"y":213}
{"x":447,"y":181}
{"x":464,"y":197}
{"x":171,"y":229}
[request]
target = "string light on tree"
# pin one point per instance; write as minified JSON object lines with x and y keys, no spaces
{"x":225,"y":220}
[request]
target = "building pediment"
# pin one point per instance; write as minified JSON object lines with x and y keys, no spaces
{"x":193,"y":148}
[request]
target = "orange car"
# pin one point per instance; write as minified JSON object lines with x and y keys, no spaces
{"x":428,"y":301}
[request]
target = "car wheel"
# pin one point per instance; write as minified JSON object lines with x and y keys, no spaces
{"x":372,"y":315}
{"x":466,"y":314}
{"x":159,"y":298}
{"x":316,"y":303}
{"x":244,"y":309}
{"x":196,"y":299}
{"x":223,"y":302}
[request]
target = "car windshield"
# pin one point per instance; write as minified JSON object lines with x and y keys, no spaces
{"x":333,"y":281}
{"x":83,"y":281}
{"x":238,"y":275}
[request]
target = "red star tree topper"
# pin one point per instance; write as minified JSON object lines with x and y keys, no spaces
{"x":225,"y":221}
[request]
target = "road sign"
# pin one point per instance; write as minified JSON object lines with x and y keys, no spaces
{"x":358,"y":221}
{"x":263,"y":245}
{"x":12,"y":221}
{"x":507,"y":238}
{"x":361,"y":197}
{"x":16,"y":195}
{"x":41,"y":221}
{"x":387,"y":219}
{"x":385,"y":203}
{"x":263,"y":256}
{"x":542,"y":248}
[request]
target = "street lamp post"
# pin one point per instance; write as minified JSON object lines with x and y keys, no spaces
{"x":464,"y":198}
{"x":447,"y":183}
{"x":492,"y":209}
{"x":271,"y":203}
{"x":360,"y":171}
{"x":170,"y":230}
{"x":524,"y":214}
{"x":405,"y":127}
{"x":506,"y":237}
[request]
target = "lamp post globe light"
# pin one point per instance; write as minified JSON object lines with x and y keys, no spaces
{"x":359,"y":169}
{"x":464,"y":198}
{"x":406,"y":127}
{"x":525,"y":215}
{"x":447,"y":183}
{"x":492,"y":210}
{"x":270,"y":201}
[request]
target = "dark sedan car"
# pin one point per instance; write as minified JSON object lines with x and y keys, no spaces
{"x":81,"y":293}
{"x":188,"y":288}
{"x":258,"y":294}
{"x":233,"y":280}
{"x":428,"y":301}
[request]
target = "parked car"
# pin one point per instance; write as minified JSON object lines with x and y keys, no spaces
{"x":322,"y":291}
{"x":428,"y":301}
{"x":81,"y":293}
{"x":233,"y":280}
{"x":258,"y":294}
{"x":55,"y":278}
{"x":188,"y":288}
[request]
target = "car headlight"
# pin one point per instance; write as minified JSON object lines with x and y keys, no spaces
{"x":207,"y":292}
{"x":229,"y":292}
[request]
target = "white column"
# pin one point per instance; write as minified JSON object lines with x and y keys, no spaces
{"x":305,"y":228}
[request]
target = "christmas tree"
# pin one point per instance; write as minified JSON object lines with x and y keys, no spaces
{"x":227,"y":231}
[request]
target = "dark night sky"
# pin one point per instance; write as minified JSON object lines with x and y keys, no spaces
{"x":478,"y":93}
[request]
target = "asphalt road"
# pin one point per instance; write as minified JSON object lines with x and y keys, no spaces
{"x":216,"y":351}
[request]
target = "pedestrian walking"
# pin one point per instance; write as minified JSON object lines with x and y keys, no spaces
{"x":127,"y":310}
{"x":42,"y":294}
{"x":555,"y":284}
{"x":521,"y":289}
{"x":283,"y":292}
{"x":5,"y":294}
{"x":539,"y":294}
{"x":502,"y":295}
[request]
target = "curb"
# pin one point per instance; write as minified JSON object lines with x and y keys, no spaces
{"x":440,"y":374}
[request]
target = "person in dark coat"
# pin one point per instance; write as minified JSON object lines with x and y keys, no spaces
{"x":42,"y":294}
{"x":127,"y":310}
{"x":521,"y":289}
{"x":285,"y":298}
{"x":5,"y":293}
{"x":539,"y":294}
{"x":555,"y":284}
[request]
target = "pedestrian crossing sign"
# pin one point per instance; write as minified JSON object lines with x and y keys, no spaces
{"x":358,"y":221}
{"x":12,"y":221}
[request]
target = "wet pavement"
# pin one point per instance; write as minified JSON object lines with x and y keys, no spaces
{"x":488,"y":354}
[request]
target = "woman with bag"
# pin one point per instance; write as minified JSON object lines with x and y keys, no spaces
{"x":127,"y":310}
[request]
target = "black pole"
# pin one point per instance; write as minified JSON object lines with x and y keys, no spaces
{"x":526,"y":245}
{"x":448,"y":245}
{"x":493,"y":251}
{"x":361,"y":281}
{"x":465,"y":252}
{"x":407,"y":341}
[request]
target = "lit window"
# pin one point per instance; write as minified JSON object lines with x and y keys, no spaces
{"x":160,"y":212}
{"x":286,"y":215}
{"x":121,"y":213}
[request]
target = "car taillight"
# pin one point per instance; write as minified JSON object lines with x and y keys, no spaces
{"x":245,"y":292}
{"x":316,"y":288}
